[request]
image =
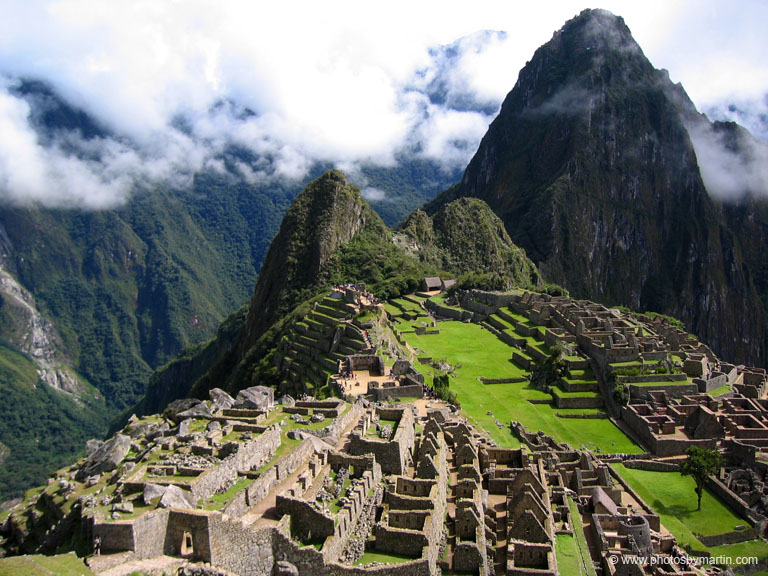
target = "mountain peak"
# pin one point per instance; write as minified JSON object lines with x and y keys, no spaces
{"x":592,"y":169}
{"x":602,"y":27}
{"x":328,"y":213}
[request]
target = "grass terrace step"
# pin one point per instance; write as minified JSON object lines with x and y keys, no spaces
{"x":328,"y":363}
{"x":346,"y":350}
{"x":301,"y":347}
{"x":332,"y":312}
{"x":570,"y":385}
{"x":414,"y":300}
{"x":393,"y":310}
{"x":491,"y":328}
{"x":318,"y":326}
{"x":316,"y":344}
{"x":339,"y":303}
{"x":319,"y":336}
{"x":406,"y":304}
{"x":500,"y":323}
{"x":356,"y":343}
{"x":319,"y":316}
{"x":506,"y":316}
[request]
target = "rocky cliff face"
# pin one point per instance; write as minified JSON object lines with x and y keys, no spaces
{"x":591,"y":168}
{"x":34,"y":335}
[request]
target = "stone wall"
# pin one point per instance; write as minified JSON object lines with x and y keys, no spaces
{"x":240,"y":549}
{"x":309,"y":562}
{"x":652,"y":465}
{"x":115,"y":536}
{"x":412,"y":391}
{"x":149,"y":533}
{"x":307,"y":522}
{"x":578,"y":401}
{"x":188,"y":523}
{"x":394,"y":455}
{"x":446,"y":312}
{"x":250,"y":453}
{"x":661,"y":445}
{"x":284,"y":467}
{"x":730,"y":537}
{"x":502,"y":380}
{"x":735,"y":503}
{"x":334,"y":430}
{"x":467,"y":556}
{"x":672,"y":390}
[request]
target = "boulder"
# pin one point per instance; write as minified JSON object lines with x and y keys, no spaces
{"x":221,"y":400}
{"x":159,"y":431}
{"x":213,"y":426}
{"x":198,"y":411}
{"x":175,"y":497}
{"x":286,"y":400}
{"x":179,"y":406}
{"x":151,"y":492}
{"x":184,"y":427}
{"x":106,"y":458}
{"x":141,"y":429}
{"x":92,"y":445}
{"x":255,"y":398}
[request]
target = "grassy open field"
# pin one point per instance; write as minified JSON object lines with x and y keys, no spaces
{"x":38,"y":565}
{"x":672,"y":496}
{"x":476,"y":352}
{"x":383,"y":557}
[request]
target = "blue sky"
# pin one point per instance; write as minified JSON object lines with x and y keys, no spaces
{"x":332,"y":81}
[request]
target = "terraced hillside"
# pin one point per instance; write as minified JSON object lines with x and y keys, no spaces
{"x":490,"y":363}
{"x":319,"y":343}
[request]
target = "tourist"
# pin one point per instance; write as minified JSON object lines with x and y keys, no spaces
{"x":97,"y":546}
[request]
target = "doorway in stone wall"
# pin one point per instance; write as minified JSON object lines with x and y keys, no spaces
{"x":187,"y":546}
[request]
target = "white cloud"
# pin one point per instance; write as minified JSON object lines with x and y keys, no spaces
{"x":728,"y":174}
{"x":373,"y":194}
{"x":326,"y":81}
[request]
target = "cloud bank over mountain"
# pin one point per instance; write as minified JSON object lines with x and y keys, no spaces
{"x":175,"y":86}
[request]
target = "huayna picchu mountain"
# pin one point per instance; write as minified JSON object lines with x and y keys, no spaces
{"x":591,"y":167}
{"x":329,"y":236}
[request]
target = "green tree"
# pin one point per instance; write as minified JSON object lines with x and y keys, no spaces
{"x":440,"y":385}
{"x":700,"y":465}
{"x":549,"y":372}
{"x":621,"y":394}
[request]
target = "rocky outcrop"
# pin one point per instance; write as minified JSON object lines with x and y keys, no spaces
{"x":106,"y":457}
{"x":221,"y":400}
{"x":35,"y":335}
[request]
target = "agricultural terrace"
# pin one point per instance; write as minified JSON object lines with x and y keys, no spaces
{"x":475,"y":352}
{"x":672,"y":496}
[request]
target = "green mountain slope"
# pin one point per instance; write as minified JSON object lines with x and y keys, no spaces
{"x":465,"y":236}
{"x":40,"y":427}
{"x":329,"y":236}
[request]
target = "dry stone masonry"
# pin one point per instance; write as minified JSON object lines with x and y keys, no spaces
{"x":360,"y":485}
